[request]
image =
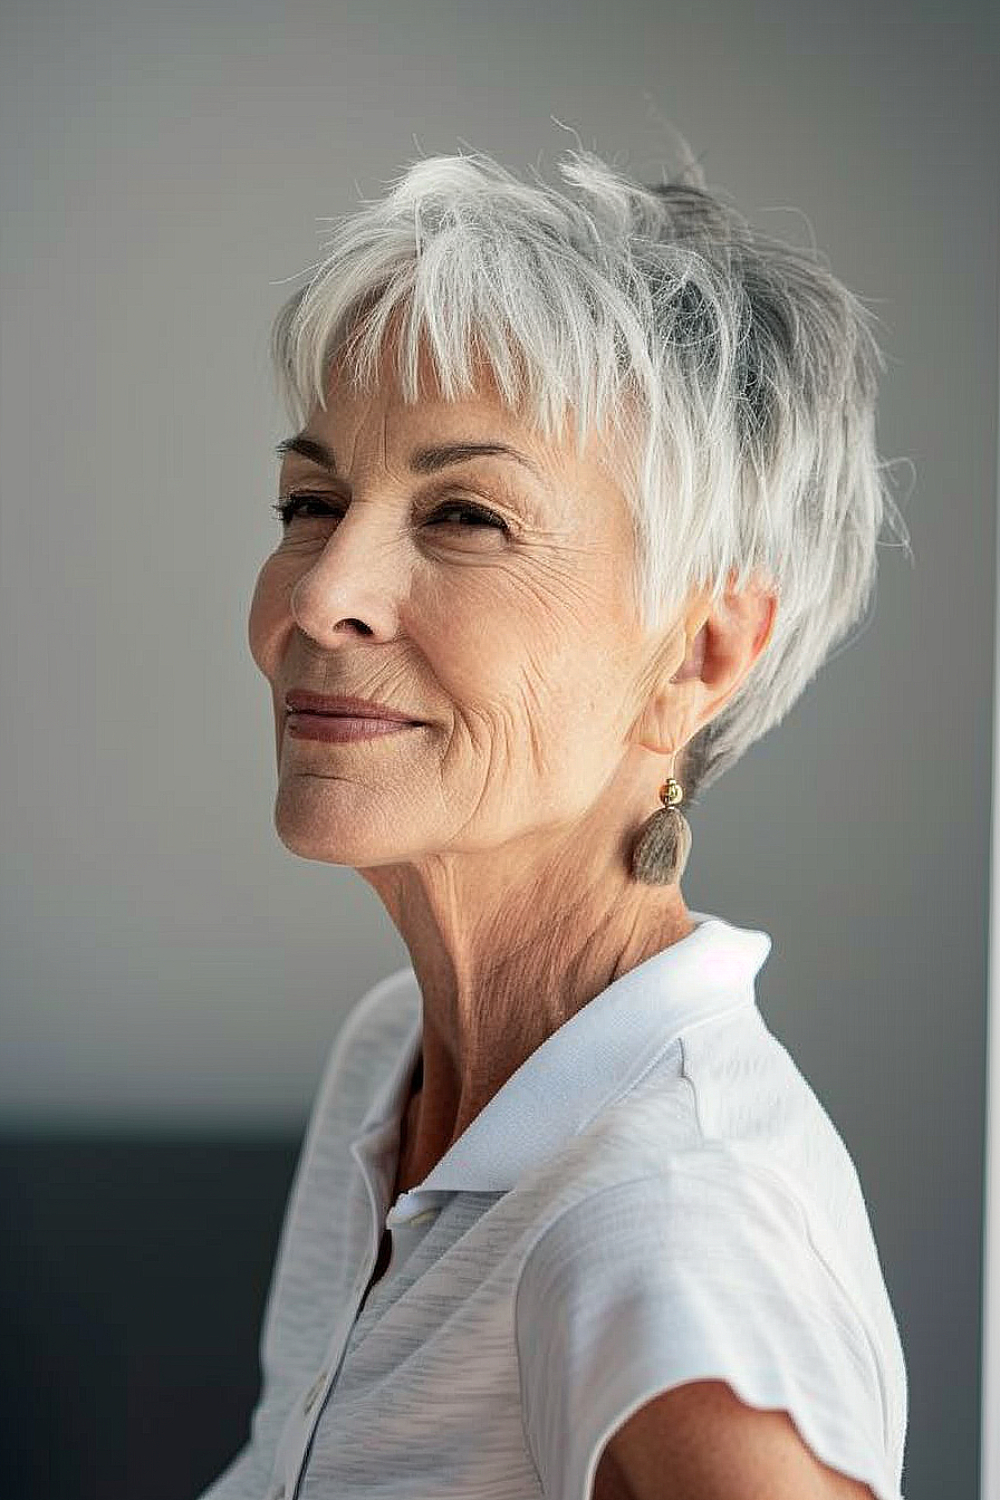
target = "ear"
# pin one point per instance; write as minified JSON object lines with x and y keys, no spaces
{"x":721,"y":644}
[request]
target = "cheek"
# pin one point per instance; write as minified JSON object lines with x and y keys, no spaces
{"x":574,"y":693}
{"x":537,"y":636}
{"x":268,"y":615}
{"x":470,"y":629}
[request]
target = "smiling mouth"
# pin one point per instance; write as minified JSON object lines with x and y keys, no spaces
{"x":345,"y":713}
{"x":343,"y":728}
{"x":341,"y":705}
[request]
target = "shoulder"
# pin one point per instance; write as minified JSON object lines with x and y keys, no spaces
{"x":713,"y":1227}
{"x":696,"y":1296}
{"x":713,"y":1192}
{"x":753,"y":1099}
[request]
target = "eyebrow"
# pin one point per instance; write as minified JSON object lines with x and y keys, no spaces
{"x":423,"y":461}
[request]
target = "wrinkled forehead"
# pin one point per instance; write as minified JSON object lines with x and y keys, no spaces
{"x":484,"y":413}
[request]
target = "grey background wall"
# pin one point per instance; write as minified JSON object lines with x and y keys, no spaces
{"x":167,"y":967}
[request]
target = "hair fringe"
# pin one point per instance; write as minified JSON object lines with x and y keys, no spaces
{"x":736,"y":373}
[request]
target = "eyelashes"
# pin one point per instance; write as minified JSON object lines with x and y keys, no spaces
{"x":294,"y":504}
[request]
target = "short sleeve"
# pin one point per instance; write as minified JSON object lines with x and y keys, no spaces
{"x":704,"y":1271}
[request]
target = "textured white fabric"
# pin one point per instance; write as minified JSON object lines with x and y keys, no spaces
{"x":655,"y":1196}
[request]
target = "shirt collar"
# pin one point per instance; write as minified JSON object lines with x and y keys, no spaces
{"x":592,"y":1059}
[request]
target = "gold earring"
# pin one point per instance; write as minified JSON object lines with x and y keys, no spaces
{"x":664,"y":841}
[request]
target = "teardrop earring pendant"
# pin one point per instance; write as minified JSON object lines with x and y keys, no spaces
{"x":663,"y":843}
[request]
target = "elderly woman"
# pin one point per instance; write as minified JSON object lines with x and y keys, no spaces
{"x":584,"y":491}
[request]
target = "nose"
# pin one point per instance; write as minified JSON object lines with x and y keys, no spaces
{"x":356,"y":583}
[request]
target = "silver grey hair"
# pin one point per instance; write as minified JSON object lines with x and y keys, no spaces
{"x":738,"y":374}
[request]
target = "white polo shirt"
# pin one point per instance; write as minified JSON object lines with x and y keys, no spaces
{"x":655,"y":1196}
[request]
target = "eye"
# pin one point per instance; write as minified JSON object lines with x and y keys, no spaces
{"x":296,"y":502}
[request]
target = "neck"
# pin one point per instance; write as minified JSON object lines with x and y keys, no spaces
{"x":505,"y":950}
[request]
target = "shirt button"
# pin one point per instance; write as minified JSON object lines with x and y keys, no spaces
{"x":314,"y":1391}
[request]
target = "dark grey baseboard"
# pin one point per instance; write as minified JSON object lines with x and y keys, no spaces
{"x":133,"y":1278}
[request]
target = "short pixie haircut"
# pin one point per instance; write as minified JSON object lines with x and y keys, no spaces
{"x":735,"y":373}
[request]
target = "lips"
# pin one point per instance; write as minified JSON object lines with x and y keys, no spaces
{"x":301,"y":700}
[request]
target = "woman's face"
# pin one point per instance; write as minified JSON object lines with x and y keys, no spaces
{"x":518,"y":648}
